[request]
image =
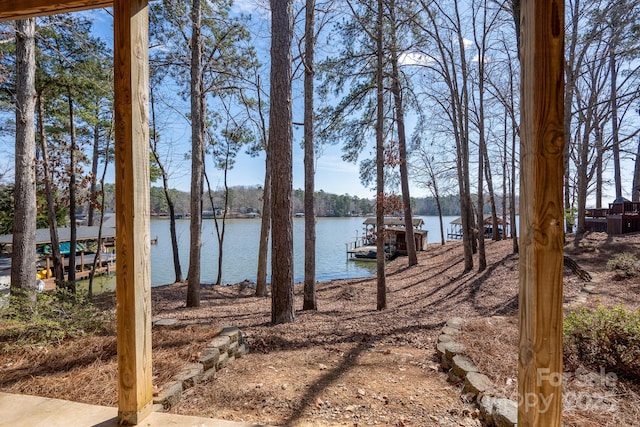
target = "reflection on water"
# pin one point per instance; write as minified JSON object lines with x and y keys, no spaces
{"x":105,"y":283}
{"x":241,"y":249}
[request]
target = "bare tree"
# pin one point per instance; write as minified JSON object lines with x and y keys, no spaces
{"x":449,"y":68}
{"x":504,"y":87}
{"x":396,"y":89}
{"x":234,"y":133}
{"x":635,"y":194}
{"x":265,"y":225}
{"x":435,"y":175}
{"x":480,"y":41}
{"x":154,"y":141}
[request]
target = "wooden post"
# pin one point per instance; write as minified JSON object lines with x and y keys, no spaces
{"x":133,"y":288}
{"x":541,"y":213}
{"x":133,"y":271}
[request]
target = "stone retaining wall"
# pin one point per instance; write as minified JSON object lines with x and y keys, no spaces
{"x":217,"y":354}
{"x":495,"y":410}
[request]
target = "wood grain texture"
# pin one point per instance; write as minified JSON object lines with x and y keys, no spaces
{"x":20,"y":9}
{"x":541,"y":213}
{"x":133,"y":286}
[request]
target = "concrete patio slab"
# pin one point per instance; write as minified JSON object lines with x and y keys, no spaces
{"x":17,"y":410}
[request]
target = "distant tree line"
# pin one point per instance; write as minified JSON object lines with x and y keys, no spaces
{"x":248,"y":199}
{"x":243,"y":200}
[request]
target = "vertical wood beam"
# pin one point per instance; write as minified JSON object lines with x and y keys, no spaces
{"x":541,"y":213}
{"x":133,"y":273}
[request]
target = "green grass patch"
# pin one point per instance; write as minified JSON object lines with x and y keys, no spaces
{"x":52,"y":318}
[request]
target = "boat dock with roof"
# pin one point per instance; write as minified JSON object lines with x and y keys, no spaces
{"x":90,"y":243}
{"x":364,"y":247}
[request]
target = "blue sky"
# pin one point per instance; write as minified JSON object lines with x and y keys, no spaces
{"x":333,"y":175}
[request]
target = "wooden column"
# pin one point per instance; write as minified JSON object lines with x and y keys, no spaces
{"x":133,"y":272}
{"x":541,"y":213}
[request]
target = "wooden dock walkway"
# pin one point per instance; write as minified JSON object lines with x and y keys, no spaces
{"x":106,"y":265}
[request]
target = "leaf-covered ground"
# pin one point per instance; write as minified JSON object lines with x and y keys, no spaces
{"x":346,"y":364}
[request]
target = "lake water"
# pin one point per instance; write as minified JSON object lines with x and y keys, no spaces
{"x":240,"y":260}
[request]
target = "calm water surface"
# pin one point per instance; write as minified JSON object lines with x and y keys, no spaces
{"x":240,"y":253}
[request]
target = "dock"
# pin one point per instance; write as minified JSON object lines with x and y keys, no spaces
{"x":102,"y":239}
{"x":106,"y":265}
{"x":395,"y":244}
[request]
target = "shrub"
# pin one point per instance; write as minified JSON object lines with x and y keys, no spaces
{"x":605,"y":338}
{"x":625,"y":264}
{"x":54,"y":317}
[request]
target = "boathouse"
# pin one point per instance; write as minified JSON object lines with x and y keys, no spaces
{"x":87,"y":249}
{"x":395,"y":235}
{"x":455,"y":228}
{"x":396,"y":232}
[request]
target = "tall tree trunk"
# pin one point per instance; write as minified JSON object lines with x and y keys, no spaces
{"x":571,"y":76}
{"x":71,"y":273}
{"x":515,"y":12}
{"x":505,"y":178}
{"x":458,"y":93}
{"x":439,"y":207}
{"x":177,"y":267}
{"x":492,"y":197}
{"x":197,"y":157}
{"x":514,"y":139}
{"x":402,"y":140}
{"x":381,"y":300}
{"x":309,"y":302}
{"x":101,"y":222}
{"x":615,"y":140}
{"x":58,"y":267}
{"x":512,"y":197}
{"x":482,"y":258}
{"x":23,"y":260}
{"x":466,"y":215}
{"x":281,"y":142}
{"x":466,"y":206}
{"x":599,"y":166}
{"x":581,"y":189}
{"x":261,"y":281}
{"x":94,"y":174}
{"x":265,"y":225}
{"x":220,"y":230}
{"x":635,"y":193}
{"x":482,"y":141}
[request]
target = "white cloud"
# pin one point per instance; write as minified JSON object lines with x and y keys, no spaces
{"x":416,"y":59}
{"x":252,"y":7}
